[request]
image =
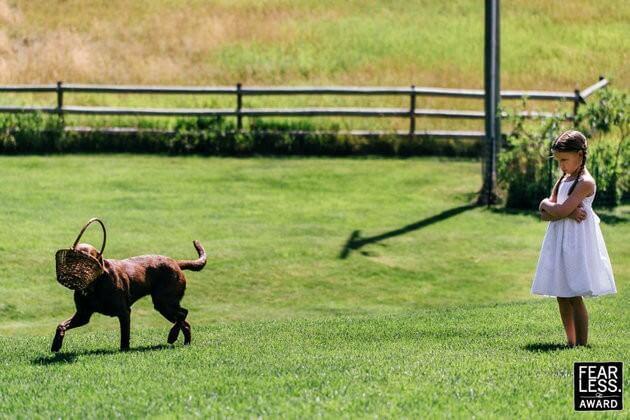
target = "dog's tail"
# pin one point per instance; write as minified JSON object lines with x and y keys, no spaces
{"x":195,"y":265}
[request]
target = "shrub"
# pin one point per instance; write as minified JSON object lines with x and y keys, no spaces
{"x":29,"y":133}
{"x":35,"y":133}
{"x":526,"y":172}
{"x":608,"y":163}
{"x":608,"y":112}
{"x":524,"y":167}
{"x":216,"y":136}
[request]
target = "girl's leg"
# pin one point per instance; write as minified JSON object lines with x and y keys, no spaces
{"x":566,"y":313}
{"x":580,"y":320}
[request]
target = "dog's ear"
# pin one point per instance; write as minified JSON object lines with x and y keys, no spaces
{"x":99,"y":257}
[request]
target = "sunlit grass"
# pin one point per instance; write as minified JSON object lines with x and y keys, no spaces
{"x":274,"y":230}
{"x":334,"y":287}
{"x":504,"y":360}
{"x":544,"y":45}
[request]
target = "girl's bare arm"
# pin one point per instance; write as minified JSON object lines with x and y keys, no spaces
{"x":548,"y":217}
{"x":582,"y":190}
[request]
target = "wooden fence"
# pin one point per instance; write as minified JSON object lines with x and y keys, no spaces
{"x":239,"y":91}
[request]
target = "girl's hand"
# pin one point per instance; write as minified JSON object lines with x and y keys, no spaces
{"x":543,"y":203}
{"x":578,"y":214}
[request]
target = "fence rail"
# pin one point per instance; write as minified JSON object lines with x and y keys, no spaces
{"x":577,"y":97}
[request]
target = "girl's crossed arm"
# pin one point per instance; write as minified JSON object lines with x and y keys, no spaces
{"x":548,"y":217}
{"x":578,"y":215}
{"x":553,"y":198}
{"x":582,"y":190}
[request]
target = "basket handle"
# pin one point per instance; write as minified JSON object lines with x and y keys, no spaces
{"x":85,"y":227}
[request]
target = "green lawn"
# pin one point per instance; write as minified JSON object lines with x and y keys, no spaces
{"x":354,"y":287}
{"x":500,"y":360}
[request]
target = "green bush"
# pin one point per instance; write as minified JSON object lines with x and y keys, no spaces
{"x":96,"y":141}
{"x":216,"y":136}
{"x":607,"y":112}
{"x":29,"y":133}
{"x":608,"y":163}
{"x":524,"y":166}
{"x":35,"y":133}
{"x":527,"y":174}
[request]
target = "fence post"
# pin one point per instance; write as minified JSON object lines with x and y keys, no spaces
{"x":412,"y":113}
{"x":60,"y":101}
{"x":576,"y":103}
{"x":549,"y":173}
{"x":239,"y":106}
{"x":492,"y":102}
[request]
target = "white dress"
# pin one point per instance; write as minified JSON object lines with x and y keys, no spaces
{"x":573,"y":259}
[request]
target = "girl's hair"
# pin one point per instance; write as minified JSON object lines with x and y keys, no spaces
{"x":570,"y":141}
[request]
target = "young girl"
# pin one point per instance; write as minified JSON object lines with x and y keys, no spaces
{"x":573,"y":260}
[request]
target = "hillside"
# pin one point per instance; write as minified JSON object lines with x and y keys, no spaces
{"x":545,"y":45}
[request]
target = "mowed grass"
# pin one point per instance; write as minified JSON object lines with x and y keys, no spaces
{"x":426,"y":312}
{"x":500,"y":360}
{"x":276,"y":232}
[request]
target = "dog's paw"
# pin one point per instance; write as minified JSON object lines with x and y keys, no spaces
{"x":186,"y":331}
{"x":56,"y":345}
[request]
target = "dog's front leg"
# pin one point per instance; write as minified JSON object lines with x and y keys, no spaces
{"x":125,"y":326}
{"x":77,"y":320}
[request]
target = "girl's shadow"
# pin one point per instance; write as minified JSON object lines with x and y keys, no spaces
{"x":70,"y":357}
{"x":545,"y":347}
{"x":356,"y":241}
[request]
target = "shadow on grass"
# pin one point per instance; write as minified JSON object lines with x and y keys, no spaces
{"x":356,"y":242}
{"x":611,"y":219}
{"x":70,"y":357}
{"x":546,"y":347}
{"x":519,"y":212}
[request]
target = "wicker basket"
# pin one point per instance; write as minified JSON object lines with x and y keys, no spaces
{"x":76,"y":270}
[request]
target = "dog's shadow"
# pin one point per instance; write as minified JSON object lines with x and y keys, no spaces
{"x":70,"y":357}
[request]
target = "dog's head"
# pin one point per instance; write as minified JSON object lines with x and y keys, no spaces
{"x":90,"y":250}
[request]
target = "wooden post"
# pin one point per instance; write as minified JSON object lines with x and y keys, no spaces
{"x":488,"y":193}
{"x":412,"y":113}
{"x":549,"y":174}
{"x":239,"y":106}
{"x":576,"y":103}
{"x":60,"y":101}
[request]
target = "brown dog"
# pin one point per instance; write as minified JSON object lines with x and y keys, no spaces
{"x":126,"y":281}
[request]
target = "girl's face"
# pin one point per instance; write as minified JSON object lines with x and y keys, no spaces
{"x":569,"y":162}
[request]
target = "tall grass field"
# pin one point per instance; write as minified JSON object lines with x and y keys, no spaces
{"x":545,"y":45}
{"x":549,"y":45}
{"x":334,"y":288}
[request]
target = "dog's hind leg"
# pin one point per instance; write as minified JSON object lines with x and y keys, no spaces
{"x":78,"y":319}
{"x":186,"y":330}
{"x":173,"y":334}
{"x":177,"y":315}
{"x":182,"y":325}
